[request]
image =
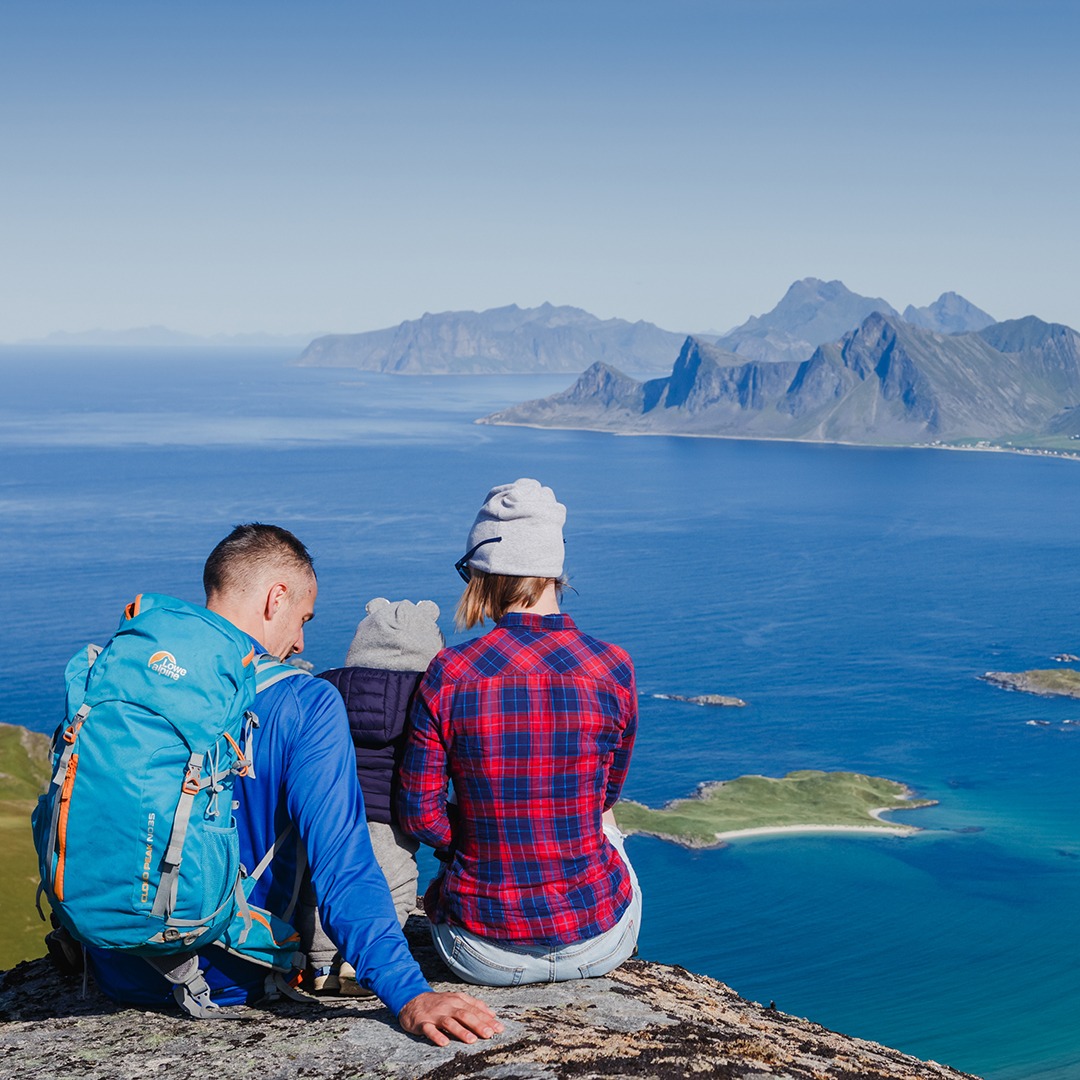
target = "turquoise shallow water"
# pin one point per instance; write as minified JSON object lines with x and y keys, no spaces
{"x":851,"y":596}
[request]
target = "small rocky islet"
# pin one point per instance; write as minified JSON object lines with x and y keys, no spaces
{"x":715,"y":700}
{"x":1051,"y":682}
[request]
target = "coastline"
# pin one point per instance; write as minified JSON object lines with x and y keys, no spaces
{"x":1030,"y":451}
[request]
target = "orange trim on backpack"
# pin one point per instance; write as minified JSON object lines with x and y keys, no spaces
{"x":133,"y":608}
{"x":61,"y":826}
{"x":292,"y":937}
{"x":191,"y":784}
{"x":71,"y":732}
{"x":250,"y":656}
{"x":239,"y":753}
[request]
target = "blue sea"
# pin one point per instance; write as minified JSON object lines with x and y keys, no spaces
{"x":852,"y":596}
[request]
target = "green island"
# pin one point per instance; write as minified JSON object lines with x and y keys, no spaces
{"x":1056,"y":682}
{"x":803,"y":801}
{"x":24,"y":761}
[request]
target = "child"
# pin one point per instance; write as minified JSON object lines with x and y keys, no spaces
{"x":393,"y":646}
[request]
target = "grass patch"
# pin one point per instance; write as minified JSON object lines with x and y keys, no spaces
{"x":24,"y":774}
{"x":807,"y":797}
{"x":1055,"y":681}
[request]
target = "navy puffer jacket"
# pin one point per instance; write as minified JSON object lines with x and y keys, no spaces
{"x":377,"y":702}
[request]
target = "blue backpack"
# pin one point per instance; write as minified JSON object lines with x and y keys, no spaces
{"x":135,"y":836}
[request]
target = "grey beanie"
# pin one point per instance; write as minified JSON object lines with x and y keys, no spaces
{"x":402,"y":636}
{"x":529,"y":521}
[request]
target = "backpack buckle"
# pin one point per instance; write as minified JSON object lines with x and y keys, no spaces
{"x":191,"y":783}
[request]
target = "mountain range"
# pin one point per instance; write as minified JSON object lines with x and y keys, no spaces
{"x":887,"y":381}
{"x":511,"y":340}
{"x":499,"y":341}
{"x":554,"y":339}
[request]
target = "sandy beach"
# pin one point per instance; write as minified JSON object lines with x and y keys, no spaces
{"x":887,"y":829}
{"x":776,"y":830}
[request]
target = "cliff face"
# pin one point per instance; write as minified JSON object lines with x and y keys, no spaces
{"x":644,"y":1020}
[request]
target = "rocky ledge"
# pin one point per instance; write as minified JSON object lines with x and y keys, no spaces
{"x":644,"y":1020}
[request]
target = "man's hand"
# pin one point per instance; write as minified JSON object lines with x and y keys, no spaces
{"x":437,"y":1016}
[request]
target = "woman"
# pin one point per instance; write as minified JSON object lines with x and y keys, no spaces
{"x":533,"y":723}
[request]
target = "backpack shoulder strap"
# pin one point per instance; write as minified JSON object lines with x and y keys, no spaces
{"x":269,"y":670}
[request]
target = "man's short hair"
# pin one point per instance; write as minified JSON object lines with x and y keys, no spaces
{"x":246,"y":551}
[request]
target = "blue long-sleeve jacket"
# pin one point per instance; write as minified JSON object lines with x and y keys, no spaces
{"x":305,"y":772}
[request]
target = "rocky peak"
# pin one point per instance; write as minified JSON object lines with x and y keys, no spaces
{"x":1028,"y":332}
{"x":950,"y":313}
{"x":811,"y":313}
{"x":607,"y":386}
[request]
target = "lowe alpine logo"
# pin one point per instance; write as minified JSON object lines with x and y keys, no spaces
{"x":164,"y":663}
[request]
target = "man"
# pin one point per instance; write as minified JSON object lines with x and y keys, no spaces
{"x":261,"y":579}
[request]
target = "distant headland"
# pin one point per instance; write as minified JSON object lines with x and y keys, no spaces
{"x":803,"y":801}
{"x":826,"y":365}
{"x":501,"y":341}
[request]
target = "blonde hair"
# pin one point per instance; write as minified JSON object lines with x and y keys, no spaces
{"x":489,"y":596}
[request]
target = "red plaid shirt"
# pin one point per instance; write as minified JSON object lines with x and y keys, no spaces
{"x":534,"y":723}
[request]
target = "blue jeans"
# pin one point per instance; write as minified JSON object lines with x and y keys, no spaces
{"x":490,"y":962}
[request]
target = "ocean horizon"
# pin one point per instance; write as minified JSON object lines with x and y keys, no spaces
{"x":851,"y":595}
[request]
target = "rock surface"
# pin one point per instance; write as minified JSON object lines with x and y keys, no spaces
{"x":644,"y":1020}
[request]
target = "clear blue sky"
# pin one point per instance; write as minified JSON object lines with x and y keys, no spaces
{"x":225,"y":166}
